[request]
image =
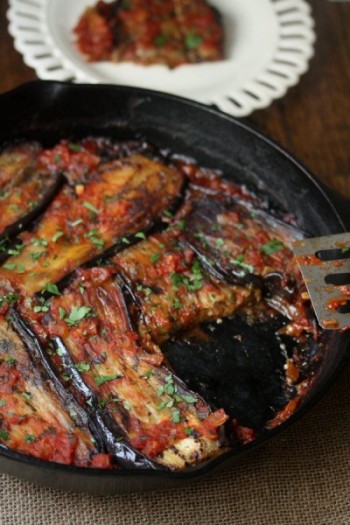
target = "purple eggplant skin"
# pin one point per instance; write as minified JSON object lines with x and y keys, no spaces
{"x":202,"y":221}
{"x":228,"y":236}
{"x":40,"y":362}
{"x":25,"y":222}
{"x":101,"y":424}
{"x":125,"y":455}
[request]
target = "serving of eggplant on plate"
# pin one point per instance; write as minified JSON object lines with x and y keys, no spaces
{"x":154,"y":325}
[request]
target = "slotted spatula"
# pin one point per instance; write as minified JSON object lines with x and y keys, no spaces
{"x":325,"y":266}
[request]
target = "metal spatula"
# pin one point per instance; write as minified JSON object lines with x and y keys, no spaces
{"x":325,"y":266}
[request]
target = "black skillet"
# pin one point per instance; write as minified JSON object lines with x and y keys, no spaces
{"x":48,"y":111}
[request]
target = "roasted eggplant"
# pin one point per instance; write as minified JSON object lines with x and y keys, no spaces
{"x":37,"y":417}
{"x":26,"y":188}
{"x":148,"y":406}
{"x":170,"y":32}
{"x":116,"y":200}
{"x":173,"y":287}
{"x":142,"y":260}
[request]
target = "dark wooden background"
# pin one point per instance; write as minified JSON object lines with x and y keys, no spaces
{"x":312,"y":121}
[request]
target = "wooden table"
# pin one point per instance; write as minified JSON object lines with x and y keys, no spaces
{"x":313,"y":123}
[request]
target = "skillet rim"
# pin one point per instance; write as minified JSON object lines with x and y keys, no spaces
{"x":95,"y":476}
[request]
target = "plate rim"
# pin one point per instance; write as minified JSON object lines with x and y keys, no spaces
{"x":289,"y":61}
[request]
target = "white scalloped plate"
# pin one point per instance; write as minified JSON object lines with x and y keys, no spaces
{"x":268,"y":46}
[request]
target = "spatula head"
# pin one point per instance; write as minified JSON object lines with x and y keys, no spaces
{"x":325,"y":266}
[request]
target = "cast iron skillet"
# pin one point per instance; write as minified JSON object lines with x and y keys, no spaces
{"x":49,"y":111}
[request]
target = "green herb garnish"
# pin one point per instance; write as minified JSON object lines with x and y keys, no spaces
{"x":57,"y":236}
{"x":75,"y":223}
{"x":192,"y":41}
{"x":104,"y":379}
{"x":140,"y":235}
{"x":91,"y":207}
{"x":51,"y":288}
{"x":155,"y":257}
{"x":29,"y":438}
{"x":82,"y":367}
{"x":176,"y":415}
{"x":160,"y":40}
{"x":271,"y":247}
{"x":77,"y":314}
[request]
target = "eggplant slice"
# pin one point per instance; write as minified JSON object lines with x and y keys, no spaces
{"x":146,"y":405}
{"x":238,"y":244}
{"x":245,"y":245}
{"x":26,"y":189}
{"x":36,"y":416}
{"x":173,"y":288}
{"x":170,"y":32}
{"x":117,"y":200}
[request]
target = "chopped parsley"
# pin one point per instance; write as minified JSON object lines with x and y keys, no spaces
{"x":239,"y":261}
{"x":29,"y":438}
{"x":4,"y":244}
{"x":57,"y":236}
{"x":192,"y":41}
{"x":36,"y":255}
{"x":100,"y":380}
{"x":40,"y":242}
{"x":62,"y":312}
{"x":16,"y":250}
{"x":77,"y":314}
{"x":193,"y":282}
{"x":82,"y":367}
{"x":155,"y":257}
{"x":189,"y":399}
{"x":19,"y":267}
{"x":74,"y":147}
{"x":271,"y":247}
{"x":176,"y":415}
{"x":51,"y":288}
{"x":177,"y":304}
{"x":92,"y":236}
{"x":77,"y":222}
{"x":27,"y":395}
{"x":160,"y":40}
{"x":10,"y":298}
{"x":181,"y":224}
{"x":10,"y":360}
{"x":91,"y":207}
{"x":42,"y":308}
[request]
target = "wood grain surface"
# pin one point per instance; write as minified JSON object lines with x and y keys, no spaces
{"x":312,"y":121}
